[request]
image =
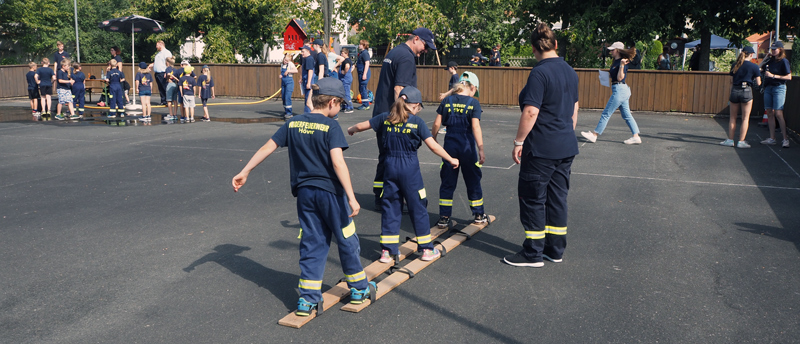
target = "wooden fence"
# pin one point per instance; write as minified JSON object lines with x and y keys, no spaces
{"x":663,"y":91}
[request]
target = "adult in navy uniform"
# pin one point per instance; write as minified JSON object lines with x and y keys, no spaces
{"x":545,"y":146}
{"x":399,"y":70}
{"x":115,"y":53}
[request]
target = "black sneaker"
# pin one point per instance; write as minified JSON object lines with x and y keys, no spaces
{"x":519,"y":259}
{"x":480,"y":218}
{"x":444,"y":222}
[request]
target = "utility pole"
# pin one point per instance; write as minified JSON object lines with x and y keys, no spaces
{"x":327,"y":13}
{"x":777,"y":19}
{"x":77,"y":40}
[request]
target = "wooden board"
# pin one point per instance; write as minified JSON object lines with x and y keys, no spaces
{"x":397,"y":278}
{"x":335,"y":295}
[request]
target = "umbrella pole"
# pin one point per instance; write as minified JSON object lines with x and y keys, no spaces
{"x":133,"y":64}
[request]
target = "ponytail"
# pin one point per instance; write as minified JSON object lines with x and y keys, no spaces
{"x":399,"y":111}
{"x":457,"y":88}
{"x":627,"y":53}
{"x":739,"y":62}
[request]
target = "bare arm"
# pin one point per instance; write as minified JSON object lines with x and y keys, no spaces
{"x":526,"y":121}
{"x":310,"y":75}
{"x":438,"y":150}
{"x":340,"y":167}
{"x":136,"y":86}
{"x":621,"y":72}
{"x":758,"y":81}
{"x":575,"y":116}
{"x":397,"y":90}
{"x":359,"y":127}
{"x":366,"y":69}
{"x":478,"y":133}
{"x":435,"y":128}
{"x":261,"y":154}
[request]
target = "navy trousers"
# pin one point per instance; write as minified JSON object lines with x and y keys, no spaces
{"x":403,"y":180}
{"x":459,"y":146}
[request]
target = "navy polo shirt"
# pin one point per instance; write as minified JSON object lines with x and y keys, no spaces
{"x":553,"y":88}
{"x":453,"y":81}
{"x":399,"y":69}
{"x":45,"y":76}
{"x":30,"y":76}
{"x":206,"y":83}
{"x":187,"y":84}
{"x":465,"y":108}
{"x":79,"y":78}
{"x":615,"y":69}
{"x":58,"y":56}
{"x":308,"y":65}
{"x":118,"y":58}
{"x":321,"y":60}
{"x":62,"y":75}
{"x":778,"y":68}
{"x":363,"y":58}
{"x":747,"y":72}
{"x":145,"y":81}
{"x":415,"y":128}
{"x":310,"y":138}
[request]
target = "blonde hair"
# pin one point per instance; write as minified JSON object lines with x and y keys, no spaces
{"x":65,"y":62}
{"x":627,"y":53}
{"x":170,"y":61}
{"x":399,"y":111}
{"x":45,"y":61}
{"x":457,"y":88}
{"x":32,"y":64}
{"x":112,"y":63}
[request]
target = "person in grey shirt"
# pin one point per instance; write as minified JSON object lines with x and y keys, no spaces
{"x":160,"y":69}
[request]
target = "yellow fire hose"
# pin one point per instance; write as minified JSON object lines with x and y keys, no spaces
{"x":213,"y":104}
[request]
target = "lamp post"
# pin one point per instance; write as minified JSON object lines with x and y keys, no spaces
{"x":77,"y":41}
{"x":777,"y":19}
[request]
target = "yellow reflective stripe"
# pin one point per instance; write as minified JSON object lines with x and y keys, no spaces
{"x":390,"y":239}
{"x":422,"y":194}
{"x":377,"y":184}
{"x":478,"y":163}
{"x":555,"y":230}
{"x":441,"y":164}
{"x":476,"y":203}
{"x":309,"y":284}
{"x":355,"y":277}
{"x":424,"y":239}
{"x":534,"y":235}
{"x":446,"y":202}
{"x":300,"y":236}
{"x":349,"y":230}
{"x":112,"y":110}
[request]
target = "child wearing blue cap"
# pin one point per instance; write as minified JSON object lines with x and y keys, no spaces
{"x":400,"y":134}
{"x":144,"y":87}
{"x":325,"y":200}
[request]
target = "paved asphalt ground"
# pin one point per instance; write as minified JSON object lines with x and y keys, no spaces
{"x":133,"y":235}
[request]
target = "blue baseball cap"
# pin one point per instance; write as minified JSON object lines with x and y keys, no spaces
{"x":426,"y":36}
{"x":305,"y":47}
{"x":142,"y":65}
{"x":748,"y":50}
{"x":330,"y":87}
{"x":776,"y":45}
{"x":318,"y":42}
{"x":411,"y":95}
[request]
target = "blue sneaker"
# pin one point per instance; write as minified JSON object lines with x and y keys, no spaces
{"x":363,"y":108}
{"x":358,"y":297}
{"x":304,"y":307}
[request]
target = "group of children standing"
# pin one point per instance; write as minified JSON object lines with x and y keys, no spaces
{"x":70,"y":85}
{"x":321,"y":183}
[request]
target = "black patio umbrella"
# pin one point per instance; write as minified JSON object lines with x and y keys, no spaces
{"x":132,"y":24}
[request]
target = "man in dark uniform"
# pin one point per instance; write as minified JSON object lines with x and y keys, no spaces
{"x":398,"y":71}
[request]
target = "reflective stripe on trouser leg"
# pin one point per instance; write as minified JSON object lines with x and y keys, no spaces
{"x":449,"y":180}
{"x":310,"y":285}
{"x":360,"y":276}
{"x":377,"y":184}
{"x":473,"y":174}
{"x":543,"y":187}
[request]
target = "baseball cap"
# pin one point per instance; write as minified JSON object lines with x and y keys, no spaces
{"x":777,"y":44}
{"x":617,"y":45}
{"x":318,"y":42}
{"x":305,"y":47}
{"x":748,"y":50}
{"x":411,"y":95}
{"x":426,"y":36}
{"x":188,"y":70}
{"x":184,"y":62}
{"x":330,"y":87}
{"x":205,"y":66}
{"x":472,"y":78}
{"x":142,"y":65}
{"x":451,"y":64}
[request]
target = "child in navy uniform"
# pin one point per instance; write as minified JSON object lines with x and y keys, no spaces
{"x":187,"y":85}
{"x":116,"y":96}
{"x":325,"y":200}
{"x":78,"y":89}
{"x":403,"y":133}
{"x":33,"y":90}
{"x":64,"y":90}
{"x":461,"y":113}
{"x":144,"y":87}
{"x":45,"y":78}
{"x":206,"y":85}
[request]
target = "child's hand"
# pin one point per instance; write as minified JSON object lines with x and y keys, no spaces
{"x":454,"y":163}
{"x":481,"y":157}
{"x":238,"y":181}
{"x":354,"y":206}
{"x":351,"y":130}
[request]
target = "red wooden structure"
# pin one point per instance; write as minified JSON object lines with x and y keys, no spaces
{"x":294,"y":36}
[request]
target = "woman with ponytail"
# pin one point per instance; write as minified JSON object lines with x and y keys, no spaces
{"x":402,"y":134}
{"x":744,"y":73}
{"x":545,"y":147}
{"x":620,"y":95}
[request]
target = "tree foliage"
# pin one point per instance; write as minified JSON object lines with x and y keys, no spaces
{"x":383,"y":20}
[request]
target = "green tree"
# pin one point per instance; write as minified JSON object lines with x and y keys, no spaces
{"x":383,"y":20}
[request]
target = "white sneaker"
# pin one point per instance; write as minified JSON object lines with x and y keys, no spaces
{"x":589,"y":136}
{"x":727,"y":143}
{"x":785,"y":143}
{"x":742,"y":144}
{"x":769,"y":141}
{"x":635,"y":140}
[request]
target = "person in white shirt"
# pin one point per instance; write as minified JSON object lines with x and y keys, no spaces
{"x":160,"y":69}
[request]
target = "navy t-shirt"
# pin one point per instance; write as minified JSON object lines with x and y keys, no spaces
{"x":79,"y":78}
{"x":415,"y":128}
{"x":45,"y":76}
{"x":114,"y":77}
{"x":465,"y":108}
{"x":399,"y":69}
{"x":778,"y":68}
{"x":553,"y":88}
{"x":615,"y":69}
{"x":363,"y":58}
{"x":58,"y":56}
{"x":206,"y":83}
{"x":496,"y":58}
{"x":187,"y":84}
{"x":453,"y":81}
{"x":63,"y":75}
{"x":145,"y":81}
{"x":118,"y":58}
{"x":310,"y":138}
{"x":321,"y":60}
{"x":30,"y":76}
{"x":308,"y":65}
{"x":746,"y":73}
{"x":167,"y":72}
